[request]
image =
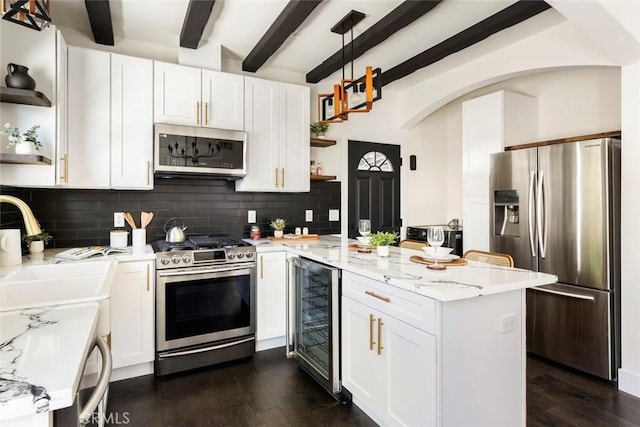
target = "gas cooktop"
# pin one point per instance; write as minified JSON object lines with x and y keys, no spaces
{"x":197,"y":242}
{"x":200,"y":250}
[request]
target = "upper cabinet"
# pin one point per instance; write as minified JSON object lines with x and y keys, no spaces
{"x":194,"y":97}
{"x":110,"y":120}
{"x":277,"y":126}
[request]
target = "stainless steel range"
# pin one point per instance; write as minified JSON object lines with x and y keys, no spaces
{"x":205,"y":302}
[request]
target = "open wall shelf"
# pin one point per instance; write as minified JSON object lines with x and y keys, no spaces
{"x":322,"y":142}
{"x":24,"y":96}
{"x":24,"y":159}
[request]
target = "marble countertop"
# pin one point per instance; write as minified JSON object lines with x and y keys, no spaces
{"x":454,"y":283}
{"x":42,"y":353}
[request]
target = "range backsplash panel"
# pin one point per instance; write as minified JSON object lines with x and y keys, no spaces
{"x":85,"y":217}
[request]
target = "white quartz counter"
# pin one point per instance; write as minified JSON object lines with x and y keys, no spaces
{"x":42,"y":353}
{"x":454,"y":283}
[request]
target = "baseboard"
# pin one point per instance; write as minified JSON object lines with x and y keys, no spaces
{"x":629,"y":382}
{"x":270,"y":343}
{"x":132,"y":371}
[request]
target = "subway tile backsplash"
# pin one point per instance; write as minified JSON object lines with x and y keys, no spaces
{"x":85,"y":217}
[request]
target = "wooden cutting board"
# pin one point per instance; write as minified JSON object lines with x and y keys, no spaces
{"x":301,"y":238}
{"x":453,"y":263}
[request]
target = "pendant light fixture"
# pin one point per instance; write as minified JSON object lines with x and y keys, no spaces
{"x":32,"y":14}
{"x":351,"y":95}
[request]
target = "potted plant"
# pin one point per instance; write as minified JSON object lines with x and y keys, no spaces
{"x":24,"y":143}
{"x":278,"y":225}
{"x":37,"y":242}
{"x":318,"y":129}
{"x":381,"y":240}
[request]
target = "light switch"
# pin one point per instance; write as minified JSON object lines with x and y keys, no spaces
{"x":251,"y":217}
{"x":507,"y":323}
{"x":334,"y":214}
{"x":308,"y":215}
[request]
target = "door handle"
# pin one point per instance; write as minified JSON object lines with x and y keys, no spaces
{"x":380,"y":297}
{"x":198,"y":112}
{"x":103,"y":383}
{"x":530,"y":216}
{"x":63,"y":178}
{"x":282,"y":177}
{"x":371,"y":322}
{"x":276,"y":174}
{"x":206,"y":113}
{"x":380,"y":346}
{"x":565,"y":294}
{"x":541,"y":217}
{"x":262,"y":266}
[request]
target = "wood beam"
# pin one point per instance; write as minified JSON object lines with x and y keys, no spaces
{"x":291,"y":17}
{"x":100,"y":20}
{"x":196,"y":18}
{"x":512,"y":15}
{"x":403,"y":15}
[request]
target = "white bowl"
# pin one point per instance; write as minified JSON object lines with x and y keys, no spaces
{"x":364,"y":240}
{"x":442,"y":251}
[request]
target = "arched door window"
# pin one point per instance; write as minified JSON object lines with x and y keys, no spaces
{"x":375,"y":161}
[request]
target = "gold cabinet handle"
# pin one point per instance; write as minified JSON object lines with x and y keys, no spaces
{"x":282,"y":177}
{"x":261,"y":266}
{"x":63,"y":178}
{"x":380,"y":297}
{"x":206,"y":113}
{"x":148,"y":277}
{"x":371,"y":341}
{"x":198,"y":112}
{"x":380,"y":346}
{"x":148,"y":172}
{"x":276,"y":177}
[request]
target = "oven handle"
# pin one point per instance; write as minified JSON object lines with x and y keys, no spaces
{"x":194,"y":272}
{"x":202,"y":350}
{"x":103,"y":383}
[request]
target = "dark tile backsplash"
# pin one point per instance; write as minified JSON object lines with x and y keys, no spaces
{"x":85,"y":217}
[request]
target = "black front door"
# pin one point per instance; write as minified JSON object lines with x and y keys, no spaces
{"x":374,"y":186}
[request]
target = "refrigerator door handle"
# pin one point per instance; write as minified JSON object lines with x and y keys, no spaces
{"x":565,"y":294}
{"x":541,"y":215}
{"x":530,"y":213}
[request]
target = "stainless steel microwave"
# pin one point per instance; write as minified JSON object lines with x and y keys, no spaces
{"x":187,"y":150}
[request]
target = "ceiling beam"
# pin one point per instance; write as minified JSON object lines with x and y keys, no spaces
{"x":403,"y":15}
{"x":100,"y":20}
{"x":291,"y":17}
{"x":196,"y":18}
{"x":507,"y":17}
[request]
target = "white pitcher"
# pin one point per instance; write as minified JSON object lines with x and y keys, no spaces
{"x":10,"y":248}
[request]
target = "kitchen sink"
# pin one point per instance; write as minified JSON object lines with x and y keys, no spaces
{"x":58,"y":271}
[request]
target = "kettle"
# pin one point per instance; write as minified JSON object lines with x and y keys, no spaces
{"x":175,"y":234}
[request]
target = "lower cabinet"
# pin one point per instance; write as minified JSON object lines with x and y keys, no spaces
{"x":388,"y":366}
{"x":132,"y":319}
{"x":272,"y":305}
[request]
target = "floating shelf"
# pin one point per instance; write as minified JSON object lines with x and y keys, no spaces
{"x":24,"y":159}
{"x":23,"y":96}
{"x":322,"y":142}
{"x":322,"y":177}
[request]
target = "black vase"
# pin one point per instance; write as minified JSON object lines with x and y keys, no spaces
{"x":19,"y":77}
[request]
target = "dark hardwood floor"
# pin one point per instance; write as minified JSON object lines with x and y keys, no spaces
{"x":270,"y":390}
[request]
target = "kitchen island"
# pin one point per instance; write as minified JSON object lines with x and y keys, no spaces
{"x":424,"y":347}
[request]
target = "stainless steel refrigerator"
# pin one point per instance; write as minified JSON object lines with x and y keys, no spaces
{"x":556,"y":209}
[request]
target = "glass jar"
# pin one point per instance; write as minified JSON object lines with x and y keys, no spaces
{"x":313,"y":167}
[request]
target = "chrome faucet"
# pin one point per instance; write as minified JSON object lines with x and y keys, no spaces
{"x":30,"y":222}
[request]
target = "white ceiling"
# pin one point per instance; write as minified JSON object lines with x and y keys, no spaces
{"x":239,"y":24}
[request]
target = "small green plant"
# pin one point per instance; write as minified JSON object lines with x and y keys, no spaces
{"x":383,"y":238}
{"x":278,"y":224}
{"x":15,"y":137}
{"x":44,"y":236}
{"x":317,"y":128}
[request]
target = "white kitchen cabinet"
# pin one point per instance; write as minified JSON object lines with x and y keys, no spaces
{"x":194,"y":97}
{"x":62,"y":67}
{"x":277,"y":126}
{"x":89,"y":113}
{"x":380,"y":354}
{"x":131,"y":122}
{"x":132,"y":319}
{"x":489,"y":124}
{"x":271,"y":296}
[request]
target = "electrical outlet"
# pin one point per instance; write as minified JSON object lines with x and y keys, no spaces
{"x":251,"y":217}
{"x":334,"y":214}
{"x":507,"y":323}
{"x":308,"y":215}
{"x":118,"y":219}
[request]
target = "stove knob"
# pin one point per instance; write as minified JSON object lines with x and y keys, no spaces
{"x":240,"y":255}
{"x":175,"y":259}
{"x":186,"y":258}
{"x":165,"y":260}
{"x":231,"y":255}
{"x":249,"y":254}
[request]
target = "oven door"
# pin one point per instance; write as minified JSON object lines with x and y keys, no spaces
{"x":203,"y":305}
